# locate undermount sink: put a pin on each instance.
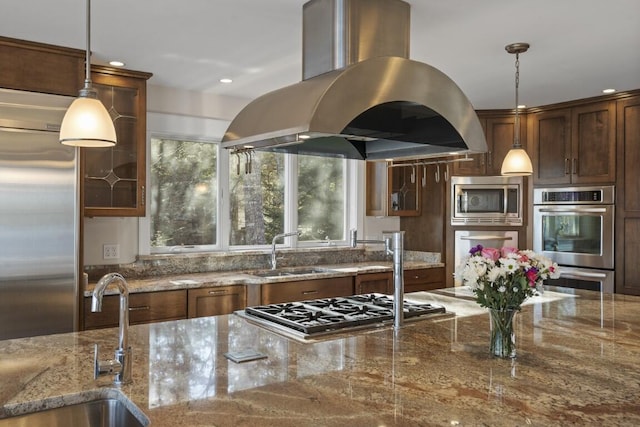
(289, 272)
(96, 413)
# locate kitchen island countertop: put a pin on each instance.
(577, 364)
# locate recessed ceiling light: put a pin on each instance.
(117, 63)
(608, 90)
(226, 80)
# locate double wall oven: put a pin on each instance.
(574, 226)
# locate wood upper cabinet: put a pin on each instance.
(216, 301)
(499, 131)
(392, 191)
(113, 181)
(39, 67)
(575, 145)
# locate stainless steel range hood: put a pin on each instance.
(361, 96)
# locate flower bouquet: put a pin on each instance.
(502, 279)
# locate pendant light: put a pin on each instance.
(87, 122)
(517, 162)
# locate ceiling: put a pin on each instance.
(578, 47)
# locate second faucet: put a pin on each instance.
(273, 245)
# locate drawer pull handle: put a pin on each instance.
(309, 292)
(217, 292)
(140, 308)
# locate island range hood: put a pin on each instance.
(360, 97)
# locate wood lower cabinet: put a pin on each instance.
(274, 293)
(216, 301)
(424, 279)
(144, 307)
(381, 283)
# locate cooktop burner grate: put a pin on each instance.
(326, 314)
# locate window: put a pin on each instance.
(256, 197)
(184, 189)
(265, 194)
(321, 198)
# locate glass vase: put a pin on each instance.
(503, 338)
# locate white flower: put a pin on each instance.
(502, 289)
(495, 273)
(509, 264)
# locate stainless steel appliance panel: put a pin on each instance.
(488, 200)
(38, 225)
(573, 233)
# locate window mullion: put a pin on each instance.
(291, 195)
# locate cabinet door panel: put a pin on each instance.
(593, 143)
(552, 147)
(114, 178)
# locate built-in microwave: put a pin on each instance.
(486, 200)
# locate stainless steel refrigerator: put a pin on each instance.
(39, 217)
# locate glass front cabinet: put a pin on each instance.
(113, 179)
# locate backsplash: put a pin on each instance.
(165, 264)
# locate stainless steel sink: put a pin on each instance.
(290, 272)
(96, 413)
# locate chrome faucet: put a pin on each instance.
(393, 246)
(120, 366)
(273, 245)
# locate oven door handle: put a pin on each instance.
(582, 275)
(486, 238)
(574, 210)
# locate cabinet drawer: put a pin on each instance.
(423, 279)
(143, 308)
(273, 293)
(381, 283)
(215, 301)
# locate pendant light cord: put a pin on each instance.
(516, 138)
(88, 91)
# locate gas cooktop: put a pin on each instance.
(326, 315)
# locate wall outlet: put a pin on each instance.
(110, 251)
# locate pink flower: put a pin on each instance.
(532, 275)
(491, 253)
(507, 250)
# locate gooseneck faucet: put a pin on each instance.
(393, 246)
(273, 245)
(121, 364)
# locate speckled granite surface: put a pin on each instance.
(220, 262)
(577, 364)
(245, 277)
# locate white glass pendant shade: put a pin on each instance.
(87, 124)
(516, 162)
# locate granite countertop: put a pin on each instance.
(577, 364)
(245, 277)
